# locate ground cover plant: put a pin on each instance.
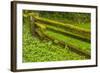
(39, 47)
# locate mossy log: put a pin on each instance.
(68, 27)
(62, 31)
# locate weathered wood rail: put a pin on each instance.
(82, 33)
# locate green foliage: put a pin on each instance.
(66, 17)
(37, 50)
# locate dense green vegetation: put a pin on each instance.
(40, 50)
(78, 19)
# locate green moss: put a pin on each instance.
(85, 46)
